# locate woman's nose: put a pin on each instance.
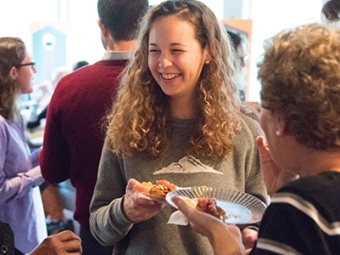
(164, 61)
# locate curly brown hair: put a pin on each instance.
(12, 53)
(300, 77)
(139, 117)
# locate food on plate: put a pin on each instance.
(160, 189)
(207, 205)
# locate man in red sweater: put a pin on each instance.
(74, 135)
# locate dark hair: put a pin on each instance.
(12, 53)
(80, 64)
(235, 39)
(121, 17)
(6, 238)
(331, 10)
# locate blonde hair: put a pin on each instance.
(300, 77)
(139, 117)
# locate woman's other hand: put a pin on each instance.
(225, 239)
(274, 176)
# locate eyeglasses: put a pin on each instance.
(32, 64)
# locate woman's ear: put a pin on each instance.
(280, 123)
(13, 73)
(207, 55)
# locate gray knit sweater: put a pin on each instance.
(240, 171)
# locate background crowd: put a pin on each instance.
(165, 102)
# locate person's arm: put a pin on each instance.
(225, 239)
(107, 221)
(65, 242)
(54, 157)
(274, 176)
(14, 185)
(115, 207)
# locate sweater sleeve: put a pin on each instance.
(14, 185)
(54, 157)
(107, 221)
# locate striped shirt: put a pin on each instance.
(303, 218)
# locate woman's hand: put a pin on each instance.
(225, 239)
(137, 208)
(274, 176)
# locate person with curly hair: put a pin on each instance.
(300, 77)
(176, 117)
(20, 175)
(73, 137)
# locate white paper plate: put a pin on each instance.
(241, 208)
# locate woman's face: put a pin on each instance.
(24, 76)
(176, 58)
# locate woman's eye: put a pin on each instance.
(153, 50)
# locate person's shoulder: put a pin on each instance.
(249, 122)
(327, 180)
(3, 122)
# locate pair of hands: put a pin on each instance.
(223, 237)
(138, 209)
(63, 243)
(228, 239)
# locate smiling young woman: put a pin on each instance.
(175, 117)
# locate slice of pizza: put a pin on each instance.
(159, 189)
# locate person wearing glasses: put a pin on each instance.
(20, 175)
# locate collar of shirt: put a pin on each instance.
(117, 55)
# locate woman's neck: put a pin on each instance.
(318, 161)
(183, 108)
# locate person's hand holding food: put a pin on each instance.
(138, 208)
(225, 239)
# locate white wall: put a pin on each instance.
(269, 17)
(16, 17)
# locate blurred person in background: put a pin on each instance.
(240, 47)
(330, 11)
(62, 243)
(74, 138)
(20, 174)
